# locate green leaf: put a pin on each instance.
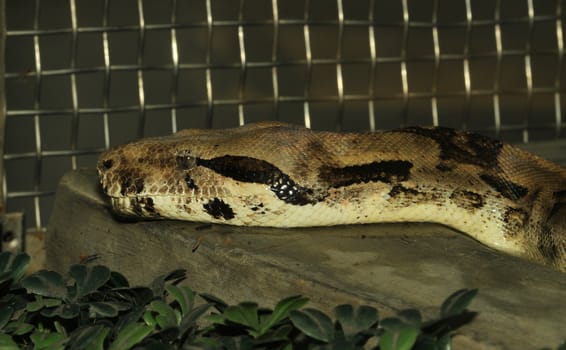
(402, 339)
(41, 302)
(411, 317)
(88, 338)
(158, 285)
(166, 316)
(356, 320)
(149, 319)
(155, 344)
(6, 313)
(191, 318)
(392, 324)
(107, 308)
(89, 278)
(313, 323)
(244, 314)
(282, 310)
(457, 302)
(117, 280)
(60, 329)
(135, 295)
(44, 340)
(130, 335)
(216, 319)
(444, 342)
(66, 311)
(183, 295)
(218, 303)
(46, 283)
(15, 266)
(280, 334)
(7, 343)
(19, 328)
(242, 342)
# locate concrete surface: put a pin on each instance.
(391, 267)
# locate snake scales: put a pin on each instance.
(281, 175)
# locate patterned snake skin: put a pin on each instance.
(281, 175)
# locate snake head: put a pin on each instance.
(133, 175)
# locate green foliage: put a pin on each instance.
(93, 308)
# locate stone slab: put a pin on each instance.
(392, 267)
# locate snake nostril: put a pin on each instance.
(107, 164)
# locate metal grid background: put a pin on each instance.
(82, 76)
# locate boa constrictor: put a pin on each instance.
(280, 175)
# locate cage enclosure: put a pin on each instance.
(83, 76)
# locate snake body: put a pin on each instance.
(281, 175)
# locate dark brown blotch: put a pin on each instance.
(247, 169)
(129, 186)
(462, 147)
(143, 205)
(398, 190)
(218, 209)
(506, 188)
(559, 198)
(389, 171)
(289, 192)
(467, 199)
(515, 221)
(148, 205)
(190, 183)
(136, 206)
(444, 167)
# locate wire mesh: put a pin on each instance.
(82, 76)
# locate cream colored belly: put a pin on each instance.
(368, 206)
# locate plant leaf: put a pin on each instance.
(66, 311)
(392, 324)
(166, 317)
(218, 303)
(457, 302)
(411, 317)
(278, 335)
(130, 335)
(356, 320)
(43, 340)
(402, 339)
(89, 278)
(313, 323)
(244, 314)
(282, 310)
(191, 318)
(88, 338)
(183, 295)
(107, 308)
(41, 302)
(7, 343)
(158, 285)
(117, 280)
(19, 328)
(13, 266)
(6, 313)
(46, 283)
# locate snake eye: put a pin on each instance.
(185, 162)
(107, 164)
